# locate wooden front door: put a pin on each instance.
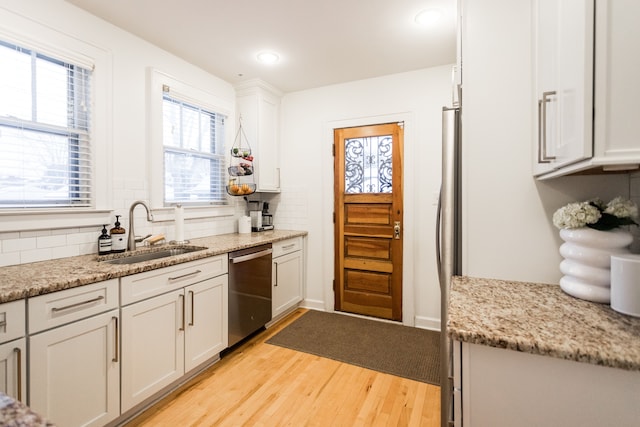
(368, 220)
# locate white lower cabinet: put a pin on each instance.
(168, 335)
(13, 354)
(13, 369)
(74, 364)
(206, 333)
(511, 388)
(152, 346)
(74, 372)
(287, 273)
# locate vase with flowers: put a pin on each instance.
(591, 232)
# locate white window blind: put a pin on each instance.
(45, 147)
(194, 161)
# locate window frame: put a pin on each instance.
(155, 147)
(31, 35)
(73, 137)
(214, 157)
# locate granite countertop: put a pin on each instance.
(28, 280)
(16, 413)
(542, 319)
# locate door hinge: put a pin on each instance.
(334, 217)
(333, 150)
(334, 285)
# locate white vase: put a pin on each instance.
(587, 261)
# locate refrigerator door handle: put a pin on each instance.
(438, 237)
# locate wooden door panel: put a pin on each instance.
(358, 280)
(367, 213)
(365, 247)
(383, 232)
(368, 264)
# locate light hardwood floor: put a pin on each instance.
(259, 384)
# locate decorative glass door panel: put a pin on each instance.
(368, 164)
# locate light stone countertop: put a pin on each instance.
(38, 278)
(16, 413)
(542, 319)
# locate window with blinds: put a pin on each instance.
(45, 146)
(194, 161)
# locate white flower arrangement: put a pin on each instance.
(595, 214)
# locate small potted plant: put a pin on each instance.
(591, 232)
(595, 214)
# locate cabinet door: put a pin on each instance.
(206, 332)
(74, 372)
(12, 320)
(152, 346)
(287, 282)
(268, 169)
(506, 388)
(564, 83)
(13, 369)
(617, 67)
(259, 106)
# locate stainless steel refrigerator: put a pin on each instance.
(449, 251)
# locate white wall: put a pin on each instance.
(508, 233)
(308, 119)
(128, 136)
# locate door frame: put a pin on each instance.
(409, 218)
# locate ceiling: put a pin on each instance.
(320, 42)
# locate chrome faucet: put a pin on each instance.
(131, 242)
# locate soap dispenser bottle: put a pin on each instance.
(118, 238)
(104, 242)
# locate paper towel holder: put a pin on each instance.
(179, 224)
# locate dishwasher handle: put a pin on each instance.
(251, 256)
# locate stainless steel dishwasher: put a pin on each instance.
(249, 291)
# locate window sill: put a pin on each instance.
(32, 220)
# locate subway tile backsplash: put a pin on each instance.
(289, 209)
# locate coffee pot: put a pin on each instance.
(267, 218)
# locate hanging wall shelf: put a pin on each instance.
(241, 182)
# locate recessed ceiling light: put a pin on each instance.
(428, 17)
(268, 57)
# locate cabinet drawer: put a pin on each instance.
(287, 246)
(12, 320)
(151, 283)
(58, 308)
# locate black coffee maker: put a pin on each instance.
(267, 218)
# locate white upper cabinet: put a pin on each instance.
(258, 105)
(586, 59)
(617, 67)
(563, 35)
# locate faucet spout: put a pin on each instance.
(131, 242)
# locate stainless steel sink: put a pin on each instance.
(148, 256)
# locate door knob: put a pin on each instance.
(396, 230)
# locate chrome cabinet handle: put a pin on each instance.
(275, 274)
(116, 335)
(78, 304)
(288, 246)
(193, 320)
(184, 275)
(542, 127)
(18, 352)
(181, 328)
